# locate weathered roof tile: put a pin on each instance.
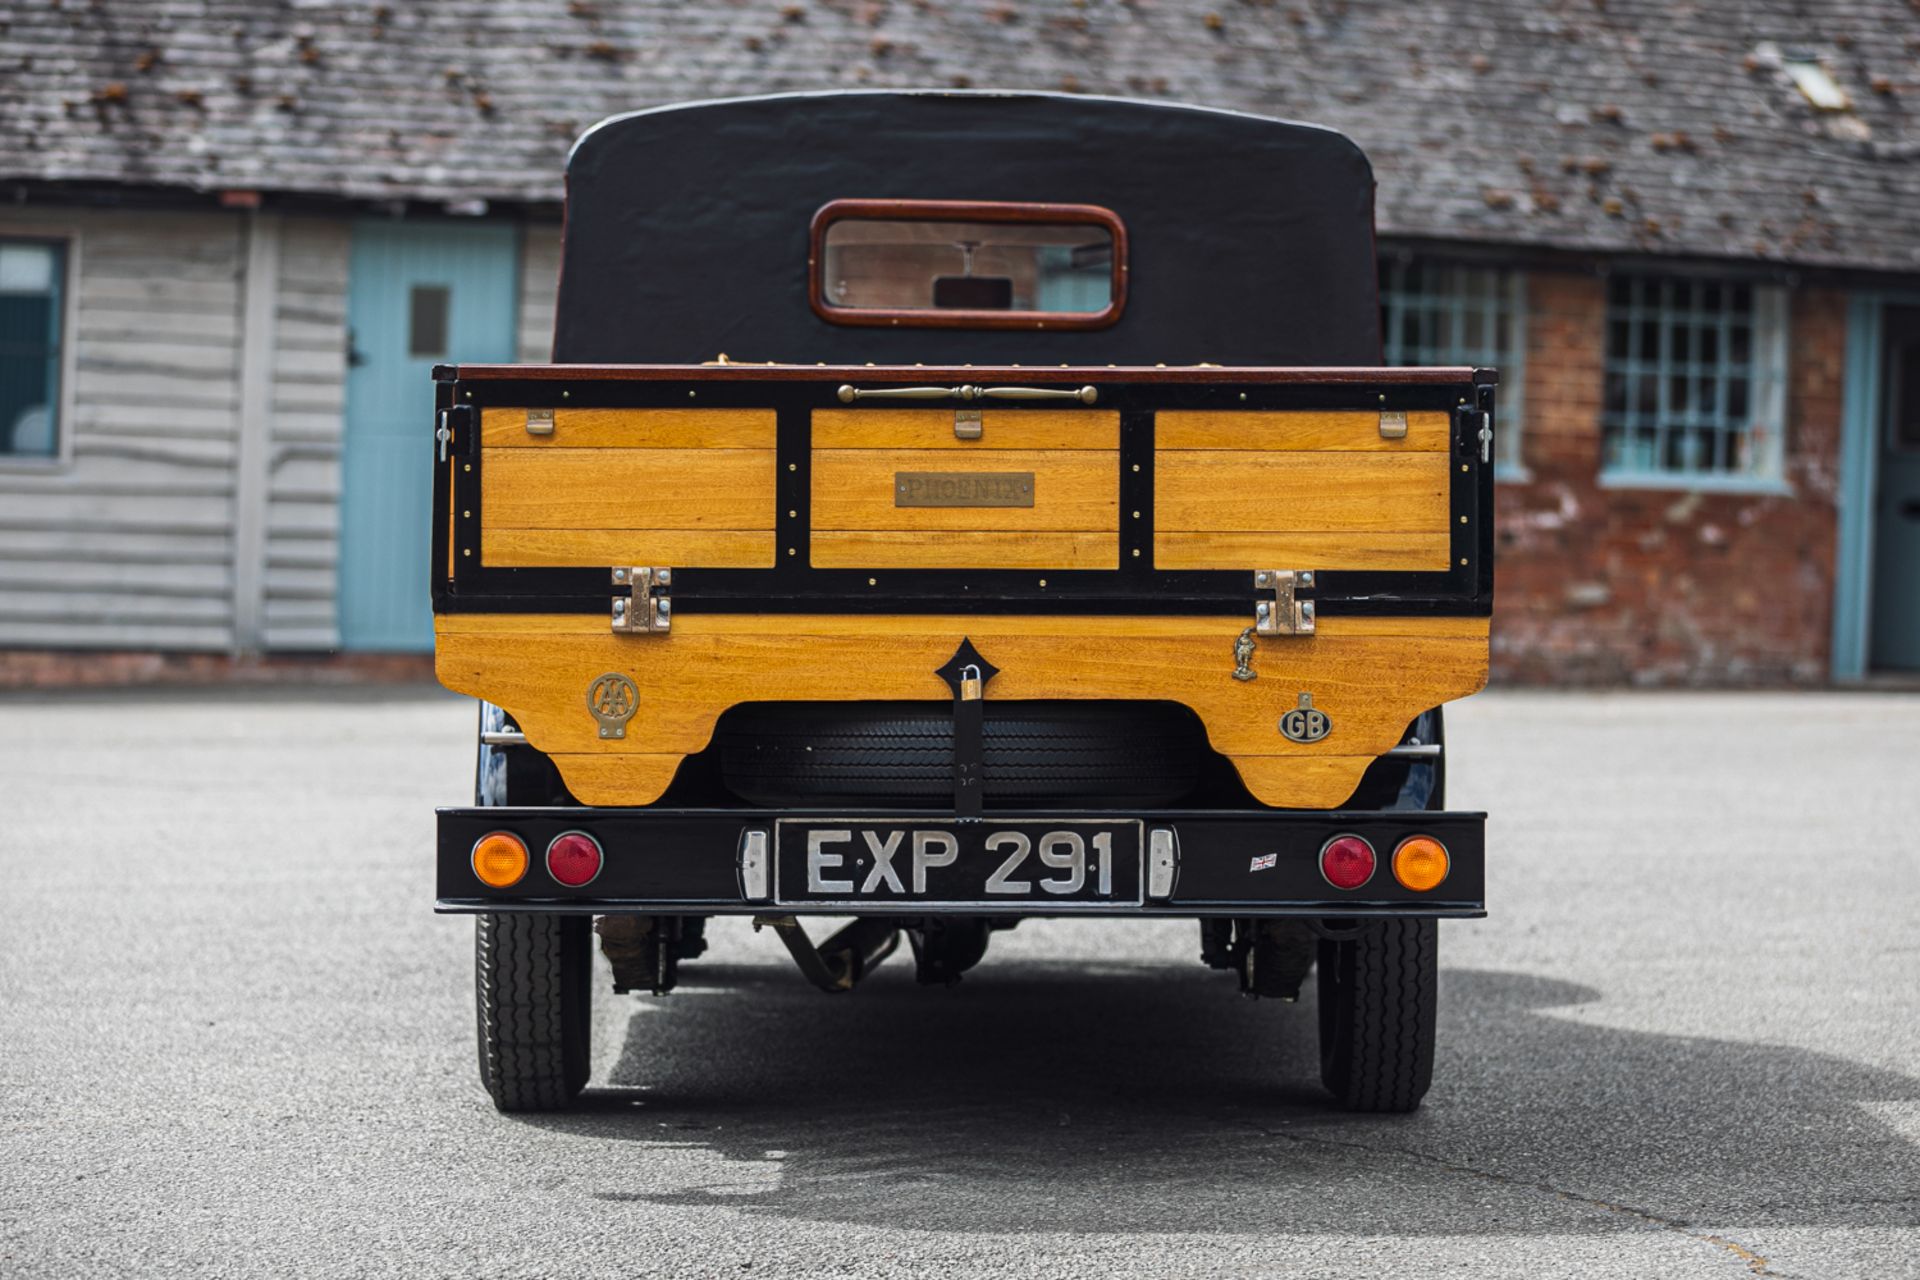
(1637, 125)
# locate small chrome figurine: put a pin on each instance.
(1243, 657)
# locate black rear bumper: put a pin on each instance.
(722, 862)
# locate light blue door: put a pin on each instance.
(419, 294)
(1896, 542)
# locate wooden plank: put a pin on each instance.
(158, 293)
(1369, 681)
(149, 515)
(158, 419)
(969, 549)
(313, 583)
(66, 543)
(103, 606)
(1243, 491)
(96, 631)
(207, 579)
(1346, 550)
(106, 323)
(1288, 782)
(539, 287)
(611, 780)
(1074, 490)
(633, 429)
(252, 467)
(604, 548)
(1296, 429)
(214, 453)
(612, 488)
(135, 393)
(160, 354)
(933, 429)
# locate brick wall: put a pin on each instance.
(1663, 586)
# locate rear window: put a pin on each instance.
(966, 265)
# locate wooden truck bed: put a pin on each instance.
(835, 534)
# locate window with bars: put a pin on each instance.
(1695, 381)
(31, 275)
(1444, 313)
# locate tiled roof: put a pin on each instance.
(1658, 126)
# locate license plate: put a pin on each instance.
(870, 861)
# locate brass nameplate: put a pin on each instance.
(963, 488)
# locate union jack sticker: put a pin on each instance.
(1264, 862)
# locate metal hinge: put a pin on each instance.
(1287, 613)
(647, 608)
(1393, 425)
(539, 422)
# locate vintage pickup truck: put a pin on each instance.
(1068, 555)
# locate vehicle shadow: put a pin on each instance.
(1041, 1097)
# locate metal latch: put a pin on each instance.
(967, 424)
(453, 431)
(647, 608)
(1486, 436)
(1393, 426)
(1287, 613)
(539, 422)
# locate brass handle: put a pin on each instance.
(1082, 395)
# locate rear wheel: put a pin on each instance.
(534, 998)
(1379, 992)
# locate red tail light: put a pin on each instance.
(1347, 862)
(573, 858)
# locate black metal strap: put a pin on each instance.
(967, 673)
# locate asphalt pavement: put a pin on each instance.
(234, 1040)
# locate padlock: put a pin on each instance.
(970, 683)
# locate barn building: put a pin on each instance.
(233, 240)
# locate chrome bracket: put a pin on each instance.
(756, 865)
(539, 422)
(968, 424)
(1163, 861)
(647, 607)
(1287, 613)
(1393, 426)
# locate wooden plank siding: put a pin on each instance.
(309, 391)
(129, 544)
(539, 290)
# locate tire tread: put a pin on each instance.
(531, 993)
(1377, 1036)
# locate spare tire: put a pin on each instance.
(901, 753)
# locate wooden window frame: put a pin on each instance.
(65, 400)
(964, 211)
(1766, 373)
(1505, 297)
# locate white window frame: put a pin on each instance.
(1510, 294)
(68, 237)
(1767, 398)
